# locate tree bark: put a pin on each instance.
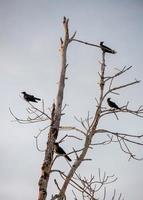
(55, 119)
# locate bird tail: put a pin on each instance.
(113, 51)
(37, 99)
(68, 158)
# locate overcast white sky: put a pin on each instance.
(30, 61)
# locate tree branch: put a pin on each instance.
(56, 117)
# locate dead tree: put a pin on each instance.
(87, 187)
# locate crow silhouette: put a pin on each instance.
(112, 104)
(106, 49)
(60, 151)
(29, 97)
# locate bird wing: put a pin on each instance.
(107, 48)
(61, 151)
(114, 105)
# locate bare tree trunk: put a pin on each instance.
(55, 119)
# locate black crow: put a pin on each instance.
(112, 104)
(60, 151)
(29, 97)
(106, 49)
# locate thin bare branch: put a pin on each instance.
(123, 70)
(121, 87)
(56, 183)
(87, 43)
(70, 128)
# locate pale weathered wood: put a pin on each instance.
(55, 119)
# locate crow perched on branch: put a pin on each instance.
(29, 97)
(112, 104)
(106, 49)
(60, 151)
